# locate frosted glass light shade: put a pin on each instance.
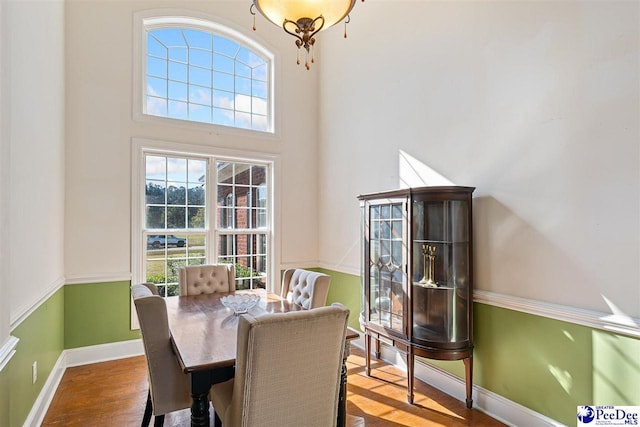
(277, 11)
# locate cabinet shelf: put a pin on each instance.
(417, 275)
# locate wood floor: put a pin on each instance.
(114, 394)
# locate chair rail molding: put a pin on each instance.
(7, 351)
(26, 310)
(610, 322)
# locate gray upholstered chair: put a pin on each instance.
(169, 387)
(287, 370)
(207, 279)
(306, 288)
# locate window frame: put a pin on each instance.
(141, 147)
(173, 18)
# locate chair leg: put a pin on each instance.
(146, 419)
(159, 421)
(217, 422)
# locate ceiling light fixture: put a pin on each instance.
(303, 19)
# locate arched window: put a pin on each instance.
(201, 71)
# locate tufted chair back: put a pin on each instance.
(306, 288)
(207, 279)
(273, 389)
(169, 387)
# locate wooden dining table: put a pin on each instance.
(204, 336)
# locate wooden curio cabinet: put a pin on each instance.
(417, 275)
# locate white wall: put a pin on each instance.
(534, 103)
(36, 102)
(100, 128)
(4, 175)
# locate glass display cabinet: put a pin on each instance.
(417, 275)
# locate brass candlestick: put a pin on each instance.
(429, 255)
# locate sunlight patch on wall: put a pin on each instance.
(563, 377)
(616, 369)
(414, 173)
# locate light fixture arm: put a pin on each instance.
(304, 30)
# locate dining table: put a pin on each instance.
(204, 337)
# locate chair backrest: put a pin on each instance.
(288, 368)
(207, 279)
(306, 288)
(169, 387)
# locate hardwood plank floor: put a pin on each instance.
(114, 394)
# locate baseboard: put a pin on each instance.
(76, 357)
(494, 405)
(41, 405)
(103, 352)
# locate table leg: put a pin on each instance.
(200, 385)
(342, 397)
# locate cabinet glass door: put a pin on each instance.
(387, 264)
(440, 272)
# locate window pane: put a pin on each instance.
(176, 169)
(243, 86)
(176, 217)
(178, 72)
(156, 106)
(178, 110)
(199, 57)
(155, 217)
(223, 99)
(225, 46)
(155, 192)
(198, 39)
(196, 194)
(243, 120)
(155, 48)
(177, 91)
(223, 81)
(223, 117)
(199, 76)
(243, 103)
(259, 122)
(178, 54)
(199, 95)
(223, 63)
(184, 64)
(197, 170)
(196, 217)
(156, 67)
(199, 113)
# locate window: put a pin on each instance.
(200, 71)
(198, 210)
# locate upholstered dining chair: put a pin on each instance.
(207, 279)
(287, 370)
(307, 289)
(169, 387)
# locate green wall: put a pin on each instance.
(97, 313)
(41, 339)
(547, 365)
(345, 289)
(4, 396)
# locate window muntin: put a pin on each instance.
(198, 75)
(177, 214)
(242, 231)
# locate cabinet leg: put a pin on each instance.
(410, 361)
(367, 353)
(468, 367)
